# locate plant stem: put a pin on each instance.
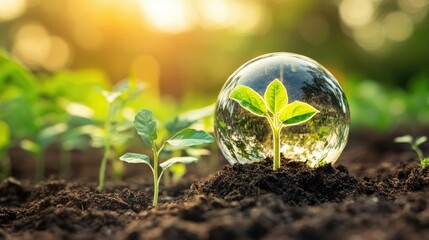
(107, 146)
(155, 175)
(276, 140)
(276, 128)
(418, 151)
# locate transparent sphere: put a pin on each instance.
(245, 138)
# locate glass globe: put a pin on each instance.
(244, 137)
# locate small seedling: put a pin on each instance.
(275, 108)
(4, 144)
(146, 127)
(116, 101)
(415, 143)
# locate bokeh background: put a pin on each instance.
(376, 48)
(54, 54)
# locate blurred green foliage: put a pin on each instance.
(66, 110)
(379, 107)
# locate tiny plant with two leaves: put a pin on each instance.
(275, 107)
(415, 143)
(146, 127)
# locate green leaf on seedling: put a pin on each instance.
(421, 140)
(190, 137)
(111, 96)
(404, 139)
(146, 126)
(48, 134)
(249, 99)
(30, 146)
(178, 124)
(297, 113)
(5, 135)
(135, 158)
(276, 96)
(185, 160)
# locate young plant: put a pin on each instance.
(4, 144)
(415, 143)
(116, 100)
(146, 127)
(275, 108)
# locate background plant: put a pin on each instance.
(113, 132)
(146, 127)
(415, 143)
(275, 108)
(4, 144)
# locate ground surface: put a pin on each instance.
(379, 193)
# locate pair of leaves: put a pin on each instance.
(409, 139)
(276, 101)
(141, 158)
(146, 127)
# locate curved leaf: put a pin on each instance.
(297, 113)
(421, 140)
(404, 139)
(146, 126)
(185, 160)
(135, 158)
(276, 96)
(249, 99)
(190, 137)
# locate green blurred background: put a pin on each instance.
(186, 49)
(54, 54)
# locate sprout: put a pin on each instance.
(275, 107)
(415, 143)
(146, 127)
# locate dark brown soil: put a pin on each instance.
(389, 199)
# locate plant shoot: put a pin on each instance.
(415, 143)
(146, 127)
(275, 107)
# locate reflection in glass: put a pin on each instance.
(246, 138)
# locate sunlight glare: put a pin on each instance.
(171, 16)
(356, 12)
(398, 26)
(32, 44)
(10, 9)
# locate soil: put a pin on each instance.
(378, 193)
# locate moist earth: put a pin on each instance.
(379, 192)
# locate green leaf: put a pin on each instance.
(178, 124)
(4, 135)
(297, 113)
(185, 160)
(49, 134)
(404, 139)
(276, 96)
(30, 146)
(135, 158)
(146, 126)
(110, 96)
(190, 137)
(249, 99)
(421, 140)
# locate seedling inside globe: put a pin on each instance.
(275, 107)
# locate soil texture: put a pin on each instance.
(378, 193)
